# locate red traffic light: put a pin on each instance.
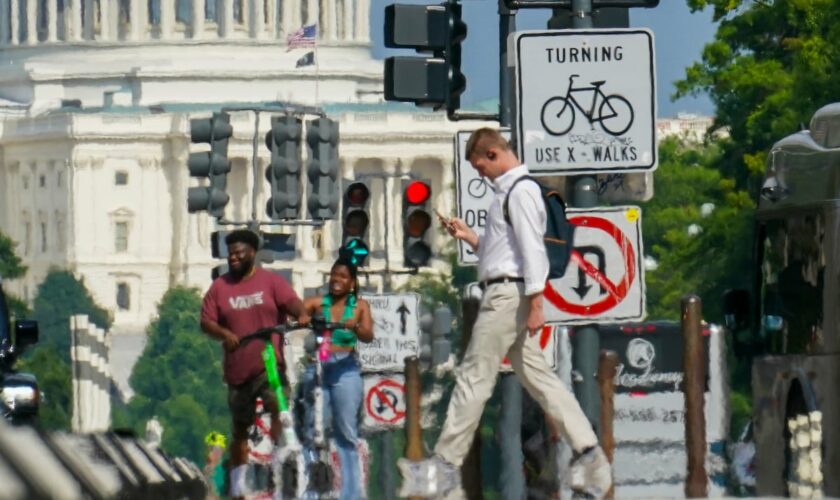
(417, 192)
(357, 194)
(356, 223)
(417, 223)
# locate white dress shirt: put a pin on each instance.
(516, 249)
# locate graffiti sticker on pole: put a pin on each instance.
(384, 402)
(604, 282)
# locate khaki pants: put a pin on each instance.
(500, 330)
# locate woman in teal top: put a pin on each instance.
(342, 378)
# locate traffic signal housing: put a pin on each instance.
(213, 165)
(435, 80)
(322, 139)
(356, 220)
(283, 171)
(416, 222)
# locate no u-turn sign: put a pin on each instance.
(604, 282)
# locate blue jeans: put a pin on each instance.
(343, 392)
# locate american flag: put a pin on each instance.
(304, 37)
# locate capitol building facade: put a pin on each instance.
(95, 102)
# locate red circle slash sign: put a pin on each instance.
(383, 391)
(616, 292)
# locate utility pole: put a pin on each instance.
(509, 427)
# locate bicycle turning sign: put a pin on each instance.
(586, 101)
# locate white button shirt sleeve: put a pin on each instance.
(528, 219)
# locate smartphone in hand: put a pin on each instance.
(447, 223)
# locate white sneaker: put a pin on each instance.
(433, 477)
(590, 473)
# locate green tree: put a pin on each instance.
(12, 267)
(696, 252)
(770, 66)
(60, 296)
(178, 378)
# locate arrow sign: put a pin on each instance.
(582, 288)
(403, 311)
(396, 332)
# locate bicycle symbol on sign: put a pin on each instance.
(615, 114)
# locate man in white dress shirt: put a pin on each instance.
(512, 269)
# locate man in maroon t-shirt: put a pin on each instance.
(240, 302)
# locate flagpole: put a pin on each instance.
(317, 71)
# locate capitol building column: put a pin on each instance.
(167, 18)
(196, 19)
(287, 23)
(52, 21)
(226, 22)
(31, 25)
(347, 18)
(256, 21)
(363, 20)
(139, 23)
(104, 19)
(73, 20)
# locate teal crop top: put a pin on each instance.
(341, 337)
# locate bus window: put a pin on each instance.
(792, 271)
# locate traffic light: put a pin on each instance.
(322, 168)
(435, 80)
(441, 333)
(356, 220)
(283, 172)
(213, 165)
(416, 223)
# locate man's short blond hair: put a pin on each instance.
(483, 139)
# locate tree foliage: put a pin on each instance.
(698, 228)
(178, 378)
(770, 66)
(60, 296)
(11, 266)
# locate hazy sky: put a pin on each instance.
(679, 36)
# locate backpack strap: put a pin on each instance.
(505, 210)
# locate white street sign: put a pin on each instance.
(384, 402)
(586, 100)
(473, 195)
(605, 280)
(396, 332)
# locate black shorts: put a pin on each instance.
(242, 401)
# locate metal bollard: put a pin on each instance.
(694, 367)
(413, 432)
(607, 366)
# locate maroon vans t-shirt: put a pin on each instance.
(243, 307)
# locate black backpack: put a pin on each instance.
(559, 232)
